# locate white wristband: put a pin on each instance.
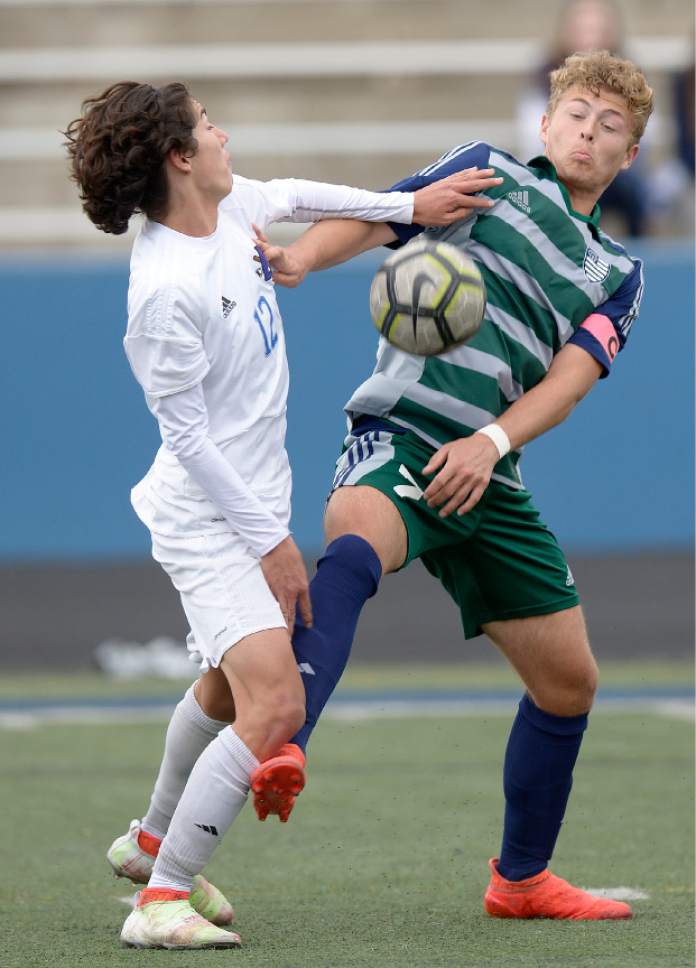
(496, 433)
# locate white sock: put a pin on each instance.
(188, 734)
(215, 793)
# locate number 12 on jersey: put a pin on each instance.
(263, 314)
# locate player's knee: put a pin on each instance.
(581, 699)
(573, 694)
(369, 514)
(284, 714)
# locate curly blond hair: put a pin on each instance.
(600, 70)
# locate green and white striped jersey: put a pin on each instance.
(547, 269)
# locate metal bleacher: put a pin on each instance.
(358, 91)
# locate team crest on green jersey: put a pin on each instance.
(596, 269)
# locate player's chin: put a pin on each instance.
(581, 175)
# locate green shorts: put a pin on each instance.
(499, 561)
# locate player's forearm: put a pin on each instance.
(550, 402)
(334, 241)
(232, 495)
(183, 422)
(314, 201)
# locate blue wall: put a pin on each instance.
(617, 476)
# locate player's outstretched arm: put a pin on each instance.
(463, 467)
(333, 241)
(324, 245)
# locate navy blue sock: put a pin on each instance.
(538, 774)
(347, 575)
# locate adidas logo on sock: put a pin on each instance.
(227, 307)
(208, 829)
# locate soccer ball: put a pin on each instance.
(427, 297)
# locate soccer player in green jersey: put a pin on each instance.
(429, 468)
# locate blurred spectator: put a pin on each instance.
(585, 25)
(672, 182)
(683, 89)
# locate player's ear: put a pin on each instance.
(179, 161)
(544, 128)
(630, 156)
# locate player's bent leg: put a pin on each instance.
(279, 779)
(368, 513)
(365, 536)
(267, 689)
(552, 655)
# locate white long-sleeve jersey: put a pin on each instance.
(205, 341)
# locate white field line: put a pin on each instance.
(326, 59)
(341, 711)
(618, 893)
(611, 893)
(676, 709)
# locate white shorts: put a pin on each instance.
(223, 591)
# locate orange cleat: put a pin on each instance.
(278, 781)
(547, 896)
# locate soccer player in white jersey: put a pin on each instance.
(562, 297)
(205, 341)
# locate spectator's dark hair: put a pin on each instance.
(118, 147)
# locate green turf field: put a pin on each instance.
(383, 862)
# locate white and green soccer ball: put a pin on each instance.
(427, 297)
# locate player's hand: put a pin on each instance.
(453, 198)
(287, 268)
(465, 467)
(284, 570)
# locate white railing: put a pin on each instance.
(381, 58)
(295, 139)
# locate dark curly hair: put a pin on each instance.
(118, 147)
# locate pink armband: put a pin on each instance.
(602, 328)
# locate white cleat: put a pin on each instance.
(128, 859)
(173, 925)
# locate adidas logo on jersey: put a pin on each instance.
(520, 200)
(596, 269)
(227, 307)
